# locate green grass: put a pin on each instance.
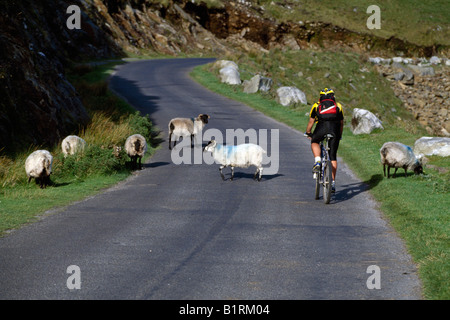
(83, 174)
(416, 206)
(419, 22)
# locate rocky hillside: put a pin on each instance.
(39, 106)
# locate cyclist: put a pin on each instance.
(329, 118)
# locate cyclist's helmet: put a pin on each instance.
(327, 93)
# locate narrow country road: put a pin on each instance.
(177, 231)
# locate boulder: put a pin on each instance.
(219, 64)
(290, 95)
(432, 146)
(364, 121)
(422, 71)
(257, 83)
(230, 75)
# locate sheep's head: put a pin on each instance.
(210, 146)
(204, 118)
(418, 169)
(420, 161)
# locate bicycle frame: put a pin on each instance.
(324, 176)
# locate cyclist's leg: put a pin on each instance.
(334, 145)
(334, 166)
(316, 138)
(315, 148)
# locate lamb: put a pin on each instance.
(242, 156)
(72, 144)
(397, 155)
(136, 146)
(38, 165)
(185, 127)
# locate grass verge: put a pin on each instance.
(416, 206)
(99, 166)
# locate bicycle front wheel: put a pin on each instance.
(327, 179)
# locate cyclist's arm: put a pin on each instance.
(310, 125)
(312, 118)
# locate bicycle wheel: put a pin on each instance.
(327, 179)
(317, 191)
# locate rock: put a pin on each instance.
(378, 60)
(432, 146)
(257, 83)
(435, 60)
(290, 95)
(219, 64)
(364, 122)
(230, 75)
(422, 71)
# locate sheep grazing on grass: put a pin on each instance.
(185, 127)
(397, 155)
(242, 156)
(136, 146)
(72, 144)
(39, 166)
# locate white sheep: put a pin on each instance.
(185, 127)
(397, 155)
(39, 166)
(136, 146)
(72, 144)
(242, 156)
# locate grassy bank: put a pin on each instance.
(416, 206)
(99, 166)
(420, 22)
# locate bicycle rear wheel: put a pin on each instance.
(317, 191)
(327, 179)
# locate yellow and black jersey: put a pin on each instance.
(327, 110)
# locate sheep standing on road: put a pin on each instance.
(397, 155)
(136, 146)
(185, 127)
(242, 156)
(72, 144)
(39, 166)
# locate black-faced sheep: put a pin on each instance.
(136, 146)
(72, 144)
(39, 166)
(397, 155)
(242, 156)
(185, 127)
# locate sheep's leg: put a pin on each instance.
(254, 176)
(221, 172)
(384, 169)
(395, 171)
(260, 173)
(232, 173)
(389, 169)
(405, 172)
(140, 163)
(29, 179)
(170, 141)
(192, 141)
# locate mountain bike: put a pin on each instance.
(324, 176)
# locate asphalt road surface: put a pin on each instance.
(177, 231)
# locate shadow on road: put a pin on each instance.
(348, 191)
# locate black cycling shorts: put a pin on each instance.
(325, 127)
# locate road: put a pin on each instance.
(177, 231)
